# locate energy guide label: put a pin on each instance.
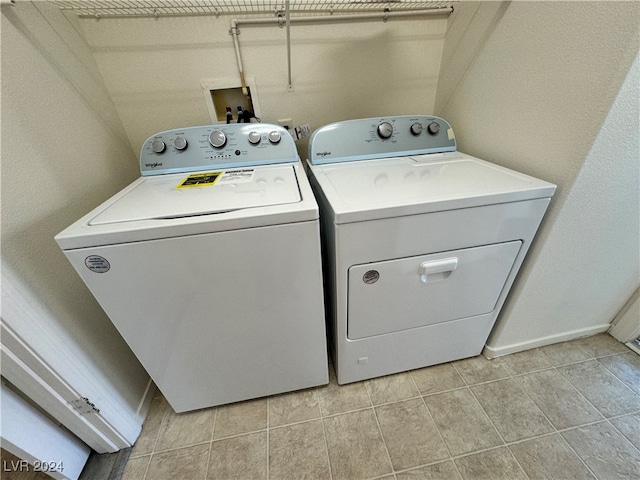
(205, 179)
(208, 179)
(237, 176)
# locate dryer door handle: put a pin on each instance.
(437, 266)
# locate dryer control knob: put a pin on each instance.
(217, 139)
(254, 138)
(158, 146)
(274, 137)
(416, 128)
(180, 143)
(433, 128)
(385, 130)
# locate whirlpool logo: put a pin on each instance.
(323, 154)
(153, 165)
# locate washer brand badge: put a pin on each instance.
(323, 154)
(370, 277)
(97, 264)
(153, 165)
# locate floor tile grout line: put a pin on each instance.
(439, 435)
(535, 403)
(324, 436)
(213, 429)
(453, 364)
(375, 415)
(578, 456)
(167, 412)
(268, 459)
(181, 447)
(167, 409)
(623, 435)
(585, 397)
(235, 435)
(518, 463)
(146, 469)
(487, 415)
(614, 374)
(430, 416)
(579, 393)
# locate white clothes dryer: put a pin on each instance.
(421, 242)
(209, 265)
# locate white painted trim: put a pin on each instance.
(490, 352)
(26, 333)
(32, 437)
(626, 326)
(52, 393)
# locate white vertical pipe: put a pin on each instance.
(234, 33)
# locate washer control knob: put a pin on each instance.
(158, 146)
(217, 139)
(433, 128)
(385, 130)
(254, 138)
(416, 128)
(274, 137)
(180, 143)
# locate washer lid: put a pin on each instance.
(373, 189)
(203, 193)
(153, 208)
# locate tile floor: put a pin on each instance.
(566, 411)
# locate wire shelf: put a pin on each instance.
(136, 8)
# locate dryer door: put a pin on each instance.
(412, 292)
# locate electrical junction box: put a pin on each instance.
(227, 92)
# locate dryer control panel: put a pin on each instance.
(207, 147)
(370, 138)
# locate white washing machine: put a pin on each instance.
(421, 242)
(209, 265)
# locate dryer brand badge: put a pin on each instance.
(370, 277)
(323, 154)
(97, 264)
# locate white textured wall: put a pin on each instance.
(63, 152)
(590, 263)
(528, 85)
(153, 68)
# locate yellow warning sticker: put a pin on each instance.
(450, 134)
(206, 179)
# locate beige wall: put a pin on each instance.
(153, 68)
(63, 152)
(528, 85)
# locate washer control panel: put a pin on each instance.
(216, 146)
(370, 138)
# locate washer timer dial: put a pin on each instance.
(385, 130)
(217, 139)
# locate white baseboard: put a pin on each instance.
(493, 352)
